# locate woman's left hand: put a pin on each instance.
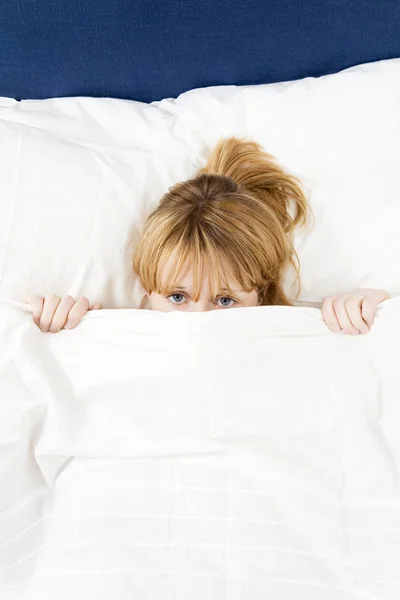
(354, 312)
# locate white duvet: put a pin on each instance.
(241, 455)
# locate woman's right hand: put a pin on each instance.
(52, 313)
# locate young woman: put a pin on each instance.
(222, 240)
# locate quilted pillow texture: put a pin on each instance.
(78, 177)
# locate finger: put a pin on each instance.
(354, 311)
(96, 307)
(61, 314)
(36, 303)
(343, 317)
(329, 314)
(76, 313)
(49, 307)
(381, 296)
(367, 311)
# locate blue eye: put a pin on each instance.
(225, 302)
(176, 298)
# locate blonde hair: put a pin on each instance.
(232, 219)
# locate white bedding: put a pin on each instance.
(242, 455)
(78, 177)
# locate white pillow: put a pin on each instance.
(78, 177)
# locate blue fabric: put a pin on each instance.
(151, 49)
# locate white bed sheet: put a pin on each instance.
(249, 454)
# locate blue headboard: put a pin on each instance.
(151, 49)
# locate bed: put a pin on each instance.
(227, 455)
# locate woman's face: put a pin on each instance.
(181, 297)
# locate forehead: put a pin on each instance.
(185, 282)
(185, 278)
